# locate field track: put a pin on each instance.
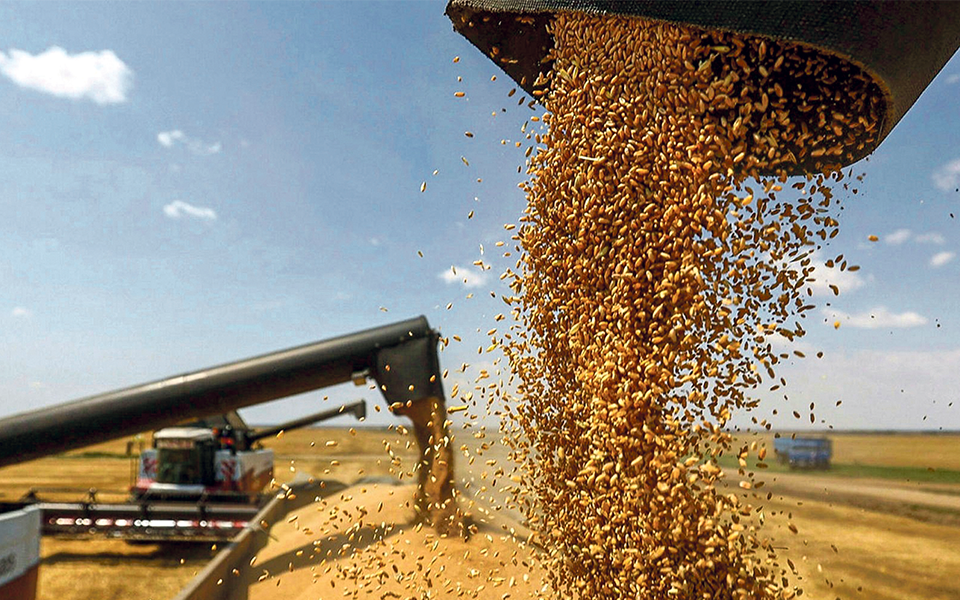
(924, 502)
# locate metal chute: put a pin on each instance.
(900, 45)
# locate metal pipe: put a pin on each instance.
(358, 409)
(402, 357)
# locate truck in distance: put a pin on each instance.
(804, 452)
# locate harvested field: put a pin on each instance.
(111, 570)
(938, 505)
(108, 474)
(878, 556)
(362, 542)
(886, 553)
(921, 450)
(106, 569)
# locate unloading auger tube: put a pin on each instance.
(401, 358)
(901, 45)
(358, 409)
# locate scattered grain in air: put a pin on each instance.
(459, 94)
(872, 238)
(456, 59)
(423, 187)
(613, 406)
(469, 134)
(640, 329)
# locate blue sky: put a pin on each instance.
(186, 184)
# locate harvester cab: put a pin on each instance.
(184, 456)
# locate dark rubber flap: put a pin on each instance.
(902, 45)
(410, 372)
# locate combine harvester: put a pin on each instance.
(216, 459)
(201, 482)
(200, 501)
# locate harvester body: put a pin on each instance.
(200, 482)
(188, 463)
(216, 459)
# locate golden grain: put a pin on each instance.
(657, 263)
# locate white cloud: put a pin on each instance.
(947, 177)
(931, 237)
(168, 139)
(901, 236)
(880, 389)
(953, 78)
(878, 318)
(97, 76)
(179, 208)
(470, 278)
(824, 276)
(204, 149)
(898, 237)
(21, 312)
(941, 258)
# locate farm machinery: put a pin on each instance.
(207, 469)
(200, 481)
(216, 459)
(803, 452)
